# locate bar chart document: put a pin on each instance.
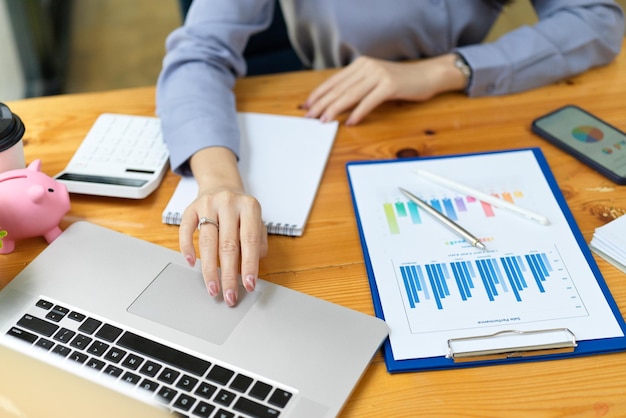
(432, 287)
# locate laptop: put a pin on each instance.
(117, 309)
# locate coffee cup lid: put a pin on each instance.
(11, 128)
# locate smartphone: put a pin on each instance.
(588, 138)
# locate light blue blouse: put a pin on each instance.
(204, 57)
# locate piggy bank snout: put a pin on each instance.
(36, 193)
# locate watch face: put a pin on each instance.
(462, 65)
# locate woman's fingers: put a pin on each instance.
(231, 239)
(367, 82)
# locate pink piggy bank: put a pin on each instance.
(31, 205)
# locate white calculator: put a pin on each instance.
(121, 156)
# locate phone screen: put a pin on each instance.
(596, 143)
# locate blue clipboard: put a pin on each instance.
(570, 346)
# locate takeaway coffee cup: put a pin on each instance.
(11, 146)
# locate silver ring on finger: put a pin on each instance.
(204, 220)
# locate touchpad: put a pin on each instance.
(178, 298)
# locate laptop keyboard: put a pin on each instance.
(188, 385)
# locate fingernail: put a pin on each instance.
(213, 288)
(308, 115)
(324, 119)
(190, 259)
(229, 297)
(350, 122)
(303, 106)
(250, 283)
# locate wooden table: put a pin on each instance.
(327, 261)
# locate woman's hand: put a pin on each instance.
(368, 82)
(234, 238)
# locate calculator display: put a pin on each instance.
(117, 181)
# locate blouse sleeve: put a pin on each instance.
(570, 37)
(203, 59)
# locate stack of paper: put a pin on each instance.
(609, 242)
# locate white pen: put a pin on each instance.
(487, 198)
(453, 226)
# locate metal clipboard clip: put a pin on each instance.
(511, 344)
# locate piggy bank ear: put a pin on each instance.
(35, 165)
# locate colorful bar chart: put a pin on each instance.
(454, 208)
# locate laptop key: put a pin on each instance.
(44, 343)
(54, 316)
(75, 316)
(44, 304)
(95, 364)
(220, 374)
(166, 394)
(57, 313)
(150, 368)
(225, 397)
(149, 385)
(109, 333)
(132, 361)
(81, 341)
(280, 398)
(203, 410)
(78, 357)
(37, 325)
(206, 390)
(164, 353)
(184, 402)
(64, 335)
(224, 414)
(168, 375)
(260, 390)
(187, 383)
(131, 378)
(61, 350)
(22, 335)
(115, 354)
(241, 383)
(255, 409)
(89, 326)
(113, 371)
(97, 348)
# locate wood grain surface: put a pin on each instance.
(327, 261)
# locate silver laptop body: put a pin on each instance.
(309, 351)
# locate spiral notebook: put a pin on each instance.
(282, 160)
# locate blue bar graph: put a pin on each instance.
(463, 272)
(495, 277)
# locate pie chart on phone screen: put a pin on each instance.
(587, 134)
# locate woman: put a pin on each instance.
(406, 50)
